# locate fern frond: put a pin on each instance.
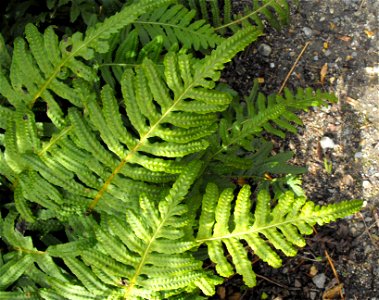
(257, 13)
(241, 127)
(145, 254)
(266, 229)
(175, 24)
(5, 58)
(275, 113)
(13, 269)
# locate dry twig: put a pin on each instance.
(330, 261)
(293, 67)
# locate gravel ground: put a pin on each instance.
(339, 144)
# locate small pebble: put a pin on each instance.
(297, 283)
(312, 295)
(354, 232)
(307, 31)
(272, 65)
(347, 180)
(327, 142)
(319, 280)
(368, 249)
(358, 155)
(264, 49)
(366, 184)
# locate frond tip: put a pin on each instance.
(269, 227)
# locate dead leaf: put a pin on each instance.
(261, 80)
(369, 33)
(333, 293)
(345, 38)
(325, 45)
(351, 101)
(323, 72)
(313, 271)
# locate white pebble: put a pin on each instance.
(366, 184)
(327, 142)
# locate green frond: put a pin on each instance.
(5, 58)
(176, 24)
(85, 275)
(210, 66)
(265, 229)
(69, 291)
(152, 112)
(6, 115)
(70, 249)
(22, 207)
(13, 236)
(13, 269)
(256, 12)
(207, 217)
(11, 157)
(20, 295)
(241, 128)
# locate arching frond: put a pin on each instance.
(239, 143)
(270, 227)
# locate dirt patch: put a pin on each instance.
(342, 39)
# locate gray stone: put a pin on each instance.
(312, 295)
(319, 280)
(358, 155)
(264, 49)
(307, 31)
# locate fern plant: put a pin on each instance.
(110, 139)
